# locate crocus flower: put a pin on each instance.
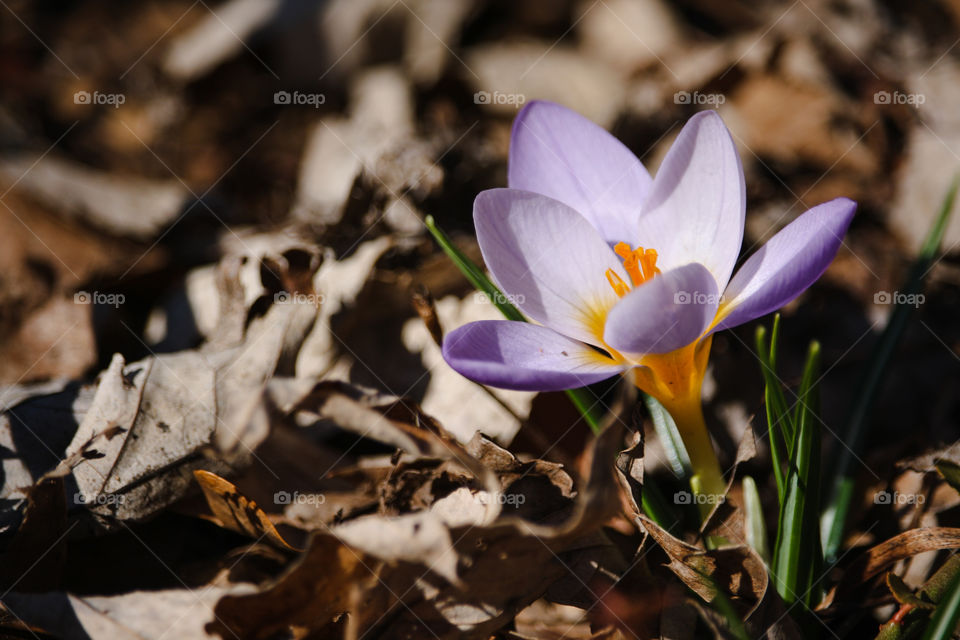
(627, 274)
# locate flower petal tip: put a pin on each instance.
(523, 357)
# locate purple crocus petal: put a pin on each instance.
(665, 313)
(522, 356)
(548, 259)
(559, 153)
(787, 264)
(696, 208)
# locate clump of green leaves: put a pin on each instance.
(794, 434)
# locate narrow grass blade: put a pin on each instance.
(787, 424)
(589, 407)
(797, 551)
(755, 526)
(834, 517)
(774, 403)
(655, 505)
(473, 272)
(722, 604)
(808, 419)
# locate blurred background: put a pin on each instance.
(142, 142)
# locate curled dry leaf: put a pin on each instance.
(119, 205)
(415, 574)
(731, 569)
(174, 613)
(738, 571)
(150, 422)
(880, 557)
(133, 453)
(37, 424)
(945, 462)
(927, 463)
(234, 511)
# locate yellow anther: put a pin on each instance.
(619, 286)
(649, 263)
(640, 265)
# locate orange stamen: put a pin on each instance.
(619, 286)
(649, 263)
(640, 265)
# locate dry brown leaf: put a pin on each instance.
(232, 510)
(414, 575)
(881, 556)
(120, 205)
(150, 421)
(927, 463)
(738, 571)
(136, 615)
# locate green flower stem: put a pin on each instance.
(707, 479)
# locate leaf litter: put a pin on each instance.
(247, 431)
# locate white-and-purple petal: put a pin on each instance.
(665, 313)
(548, 259)
(557, 152)
(787, 264)
(525, 357)
(695, 211)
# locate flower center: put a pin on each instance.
(640, 264)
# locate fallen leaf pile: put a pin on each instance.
(224, 412)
